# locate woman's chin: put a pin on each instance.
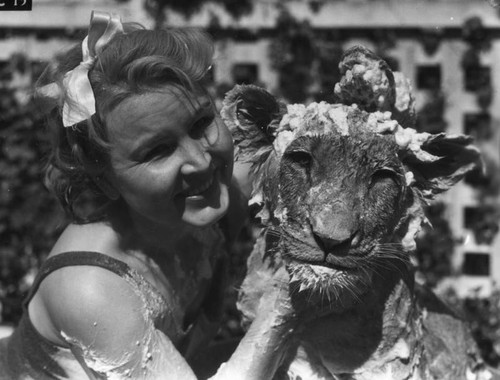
(207, 210)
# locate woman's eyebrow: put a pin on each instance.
(200, 105)
(144, 142)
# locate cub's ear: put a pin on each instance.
(252, 114)
(439, 161)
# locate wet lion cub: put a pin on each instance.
(341, 190)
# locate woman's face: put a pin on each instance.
(171, 157)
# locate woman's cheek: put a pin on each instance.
(149, 186)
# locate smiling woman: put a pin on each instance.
(171, 158)
(133, 288)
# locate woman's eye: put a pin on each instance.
(199, 127)
(159, 151)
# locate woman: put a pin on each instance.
(134, 290)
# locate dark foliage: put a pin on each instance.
(329, 56)
(292, 53)
(483, 315)
(435, 247)
(158, 8)
(434, 251)
(306, 60)
(431, 39)
(430, 117)
(29, 216)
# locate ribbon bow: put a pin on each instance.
(81, 101)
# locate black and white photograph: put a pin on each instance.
(250, 189)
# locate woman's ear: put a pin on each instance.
(106, 187)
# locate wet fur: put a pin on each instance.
(365, 319)
(341, 203)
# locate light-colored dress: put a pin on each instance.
(28, 355)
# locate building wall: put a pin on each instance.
(232, 52)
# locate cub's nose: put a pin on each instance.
(338, 246)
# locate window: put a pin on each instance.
(429, 77)
(5, 71)
(476, 264)
(476, 77)
(483, 222)
(245, 73)
(478, 125)
(472, 217)
(430, 117)
(476, 178)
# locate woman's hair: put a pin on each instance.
(134, 62)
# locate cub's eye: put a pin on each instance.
(300, 157)
(199, 127)
(385, 176)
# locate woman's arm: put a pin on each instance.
(104, 322)
(262, 348)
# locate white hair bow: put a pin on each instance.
(79, 101)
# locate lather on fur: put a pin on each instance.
(341, 190)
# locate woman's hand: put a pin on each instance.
(277, 297)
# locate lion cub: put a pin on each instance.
(341, 190)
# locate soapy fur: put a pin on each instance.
(341, 190)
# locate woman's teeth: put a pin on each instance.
(200, 189)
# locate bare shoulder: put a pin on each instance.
(92, 306)
(98, 315)
(98, 237)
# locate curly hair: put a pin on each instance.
(132, 63)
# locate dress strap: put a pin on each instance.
(73, 258)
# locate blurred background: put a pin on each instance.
(450, 50)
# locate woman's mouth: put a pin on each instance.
(200, 189)
(207, 191)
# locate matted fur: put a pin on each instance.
(341, 190)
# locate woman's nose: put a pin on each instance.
(197, 158)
